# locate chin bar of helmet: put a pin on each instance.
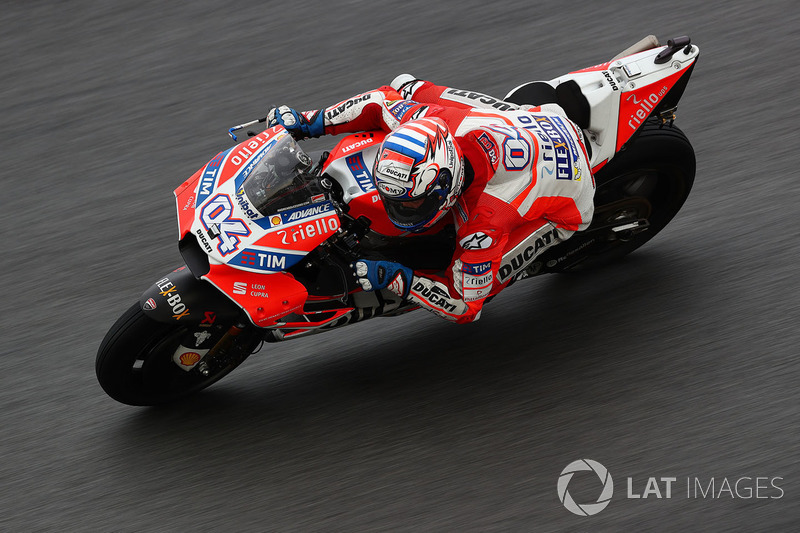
(242, 126)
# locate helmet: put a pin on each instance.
(419, 173)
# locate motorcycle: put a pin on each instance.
(268, 233)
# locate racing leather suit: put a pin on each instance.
(528, 183)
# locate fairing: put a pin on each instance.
(624, 92)
(265, 237)
(249, 245)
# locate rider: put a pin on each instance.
(516, 179)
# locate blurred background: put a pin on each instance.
(681, 361)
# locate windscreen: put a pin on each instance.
(280, 179)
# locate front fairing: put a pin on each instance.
(234, 226)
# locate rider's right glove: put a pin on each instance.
(377, 275)
(300, 125)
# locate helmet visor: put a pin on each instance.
(410, 214)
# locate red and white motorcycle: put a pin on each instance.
(268, 234)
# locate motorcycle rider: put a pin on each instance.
(516, 179)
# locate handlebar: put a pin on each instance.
(245, 125)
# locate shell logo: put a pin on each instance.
(275, 220)
(190, 358)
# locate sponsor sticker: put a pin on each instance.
(558, 143)
(201, 337)
(435, 296)
(334, 111)
(390, 189)
(476, 268)
(471, 98)
(358, 144)
(360, 171)
(190, 358)
(170, 293)
(245, 206)
(239, 287)
(519, 257)
(305, 212)
(265, 260)
(400, 108)
(208, 180)
(308, 229)
(397, 285)
(395, 165)
(476, 280)
(476, 241)
(489, 147)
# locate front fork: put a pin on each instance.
(208, 350)
(214, 322)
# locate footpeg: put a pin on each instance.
(626, 231)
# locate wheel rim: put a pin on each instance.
(648, 195)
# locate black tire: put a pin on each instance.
(134, 362)
(649, 180)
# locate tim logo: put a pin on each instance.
(216, 217)
(208, 180)
(360, 172)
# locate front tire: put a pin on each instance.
(134, 362)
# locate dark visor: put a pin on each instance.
(409, 213)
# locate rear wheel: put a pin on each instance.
(135, 361)
(638, 193)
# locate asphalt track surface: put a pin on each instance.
(681, 361)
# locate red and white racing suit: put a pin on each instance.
(532, 185)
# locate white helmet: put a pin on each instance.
(419, 173)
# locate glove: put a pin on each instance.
(300, 125)
(377, 275)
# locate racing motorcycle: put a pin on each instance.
(268, 233)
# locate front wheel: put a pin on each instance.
(135, 364)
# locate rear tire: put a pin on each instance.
(649, 180)
(134, 362)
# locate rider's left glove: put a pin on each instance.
(300, 125)
(377, 275)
